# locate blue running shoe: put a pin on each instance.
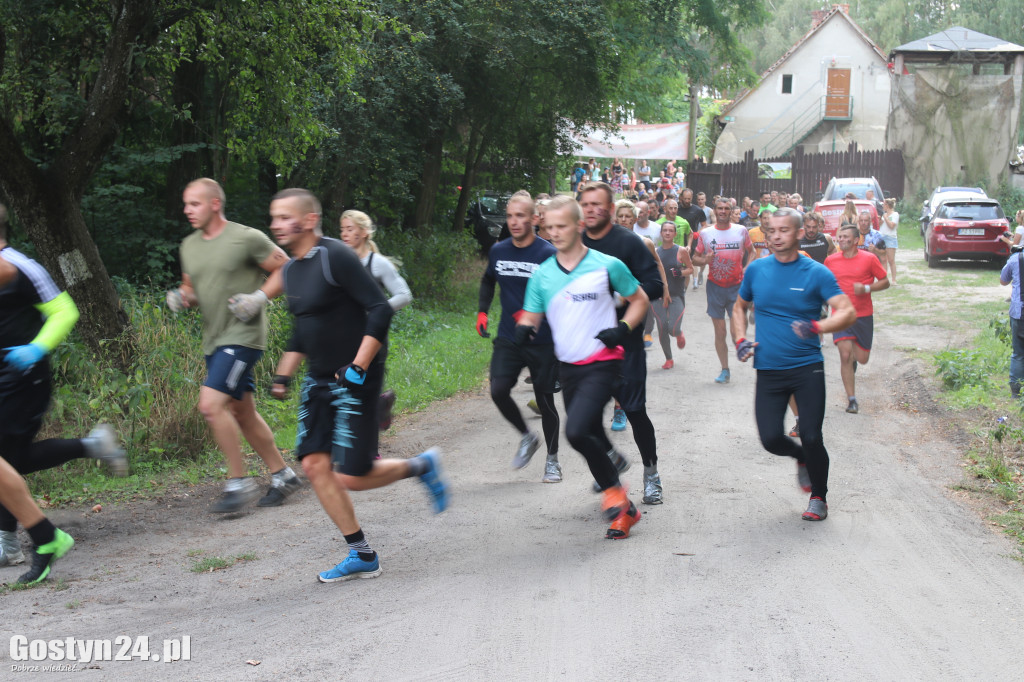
(722, 378)
(351, 568)
(433, 479)
(619, 420)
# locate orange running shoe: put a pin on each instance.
(615, 502)
(619, 529)
(680, 341)
(669, 364)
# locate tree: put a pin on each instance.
(73, 73)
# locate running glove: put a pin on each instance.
(481, 325)
(25, 357)
(175, 301)
(247, 306)
(525, 334)
(805, 329)
(614, 336)
(744, 350)
(352, 375)
(282, 380)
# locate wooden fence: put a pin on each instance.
(810, 173)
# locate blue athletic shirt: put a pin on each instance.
(783, 293)
(511, 267)
(580, 303)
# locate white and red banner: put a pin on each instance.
(646, 141)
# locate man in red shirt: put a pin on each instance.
(859, 273)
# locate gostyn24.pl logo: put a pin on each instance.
(75, 650)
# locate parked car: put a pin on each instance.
(485, 218)
(833, 201)
(966, 228)
(941, 194)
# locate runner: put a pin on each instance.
(511, 263)
(357, 232)
(859, 273)
(727, 249)
(616, 241)
(35, 317)
(644, 226)
(574, 292)
(788, 291)
(676, 262)
(49, 543)
(758, 236)
(696, 219)
(217, 260)
(341, 323)
(627, 215)
(870, 239)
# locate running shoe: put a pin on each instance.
(803, 478)
(669, 364)
(279, 490)
(237, 494)
(619, 530)
(615, 502)
(619, 419)
(10, 548)
(795, 431)
(101, 444)
(648, 341)
(385, 403)
(527, 446)
(552, 471)
(700, 278)
(723, 377)
(437, 486)
(533, 406)
(680, 341)
(45, 556)
(853, 407)
(351, 568)
(817, 510)
(652, 489)
(696, 284)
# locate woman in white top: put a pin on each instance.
(888, 227)
(357, 232)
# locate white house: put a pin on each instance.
(831, 88)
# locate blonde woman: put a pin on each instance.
(888, 228)
(849, 213)
(357, 232)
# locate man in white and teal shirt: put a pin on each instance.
(574, 290)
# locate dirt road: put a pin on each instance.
(515, 582)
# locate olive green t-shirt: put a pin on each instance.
(219, 268)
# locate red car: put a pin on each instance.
(966, 228)
(832, 201)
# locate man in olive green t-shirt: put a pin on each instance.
(218, 261)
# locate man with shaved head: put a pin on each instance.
(223, 273)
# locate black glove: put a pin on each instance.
(351, 375)
(283, 382)
(614, 336)
(524, 334)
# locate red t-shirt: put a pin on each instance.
(863, 268)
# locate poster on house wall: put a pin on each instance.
(775, 171)
(640, 141)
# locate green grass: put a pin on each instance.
(216, 563)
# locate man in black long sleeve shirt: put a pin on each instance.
(602, 235)
(341, 322)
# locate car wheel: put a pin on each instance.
(933, 262)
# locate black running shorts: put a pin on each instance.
(632, 392)
(340, 421)
(509, 359)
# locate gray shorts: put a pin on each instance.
(720, 300)
(861, 332)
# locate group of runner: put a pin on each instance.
(574, 305)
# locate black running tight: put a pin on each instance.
(587, 389)
(501, 394)
(27, 457)
(771, 398)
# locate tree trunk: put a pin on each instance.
(189, 83)
(474, 154)
(68, 253)
(430, 181)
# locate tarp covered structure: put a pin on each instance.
(954, 117)
(640, 141)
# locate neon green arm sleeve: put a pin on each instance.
(61, 314)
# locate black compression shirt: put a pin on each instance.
(20, 321)
(331, 319)
(629, 248)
